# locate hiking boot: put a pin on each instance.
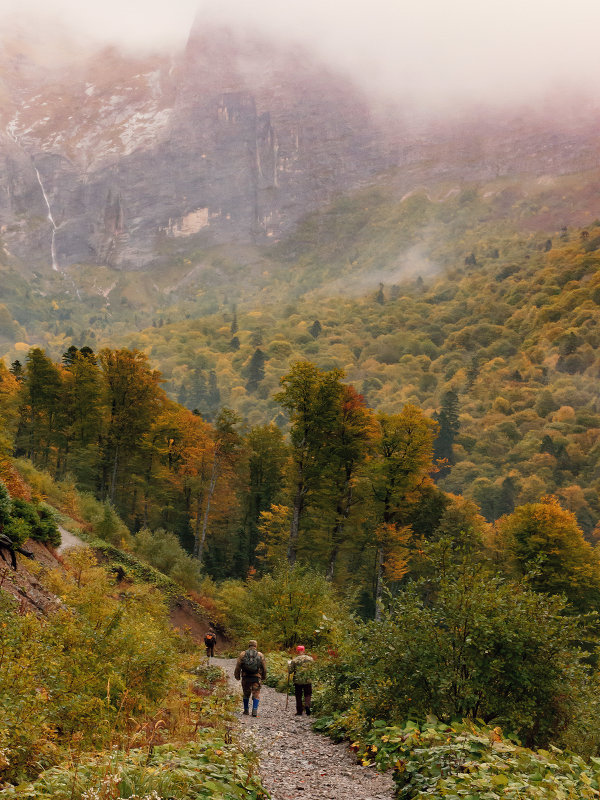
(246, 712)
(254, 712)
(298, 714)
(307, 712)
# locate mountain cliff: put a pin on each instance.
(126, 159)
(129, 161)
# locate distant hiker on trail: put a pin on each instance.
(210, 641)
(251, 668)
(301, 667)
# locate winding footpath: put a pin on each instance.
(298, 764)
(68, 540)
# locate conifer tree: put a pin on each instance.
(449, 425)
(473, 371)
(41, 409)
(133, 397)
(69, 356)
(256, 370)
(16, 369)
(84, 410)
(315, 329)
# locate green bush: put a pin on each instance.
(478, 648)
(163, 551)
(17, 530)
(27, 520)
(209, 769)
(277, 671)
(291, 605)
(110, 527)
(83, 670)
(47, 530)
(469, 760)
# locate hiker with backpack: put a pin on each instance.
(251, 668)
(300, 668)
(210, 641)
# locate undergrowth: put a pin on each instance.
(102, 700)
(467, 760)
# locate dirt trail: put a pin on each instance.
(68, 540)
(298, 763)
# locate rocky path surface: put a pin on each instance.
(298, 764)
(68, 540)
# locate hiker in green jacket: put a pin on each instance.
(300, 668)
(251, 668)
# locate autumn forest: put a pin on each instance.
(377, 436)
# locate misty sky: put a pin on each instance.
(431, 49)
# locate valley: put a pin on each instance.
(309, 359)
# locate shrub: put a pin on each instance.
(164, 552)
(27, 520)
(110, 527)
(84, 670)
(479, 648)
(293, 604)
(469, 760)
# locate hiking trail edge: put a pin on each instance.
(296, 762)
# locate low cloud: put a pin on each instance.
(433, 53)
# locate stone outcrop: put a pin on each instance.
(127, 162)
(234, 141)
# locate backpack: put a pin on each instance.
(210, 639)
(251, 662)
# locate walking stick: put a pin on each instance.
(287, 692)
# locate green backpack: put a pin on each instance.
(251, 662)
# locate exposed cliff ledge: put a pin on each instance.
(235, 141)
(126, 161)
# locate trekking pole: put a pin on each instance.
(287, 692)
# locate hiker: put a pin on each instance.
(251, 668)
(210, 641)
(301, 668)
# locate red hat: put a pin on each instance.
(300, 648)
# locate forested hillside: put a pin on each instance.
(378, 437)
(503, 339)
(299, 350)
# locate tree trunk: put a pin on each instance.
(342, 513)
(197, 524)
(113, 480)
(295, 527)
(211, 490)
(379, 585)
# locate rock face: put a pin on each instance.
(127, 162)
(233, 141)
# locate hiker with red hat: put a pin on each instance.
(300, 667)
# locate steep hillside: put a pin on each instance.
(509, 322)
